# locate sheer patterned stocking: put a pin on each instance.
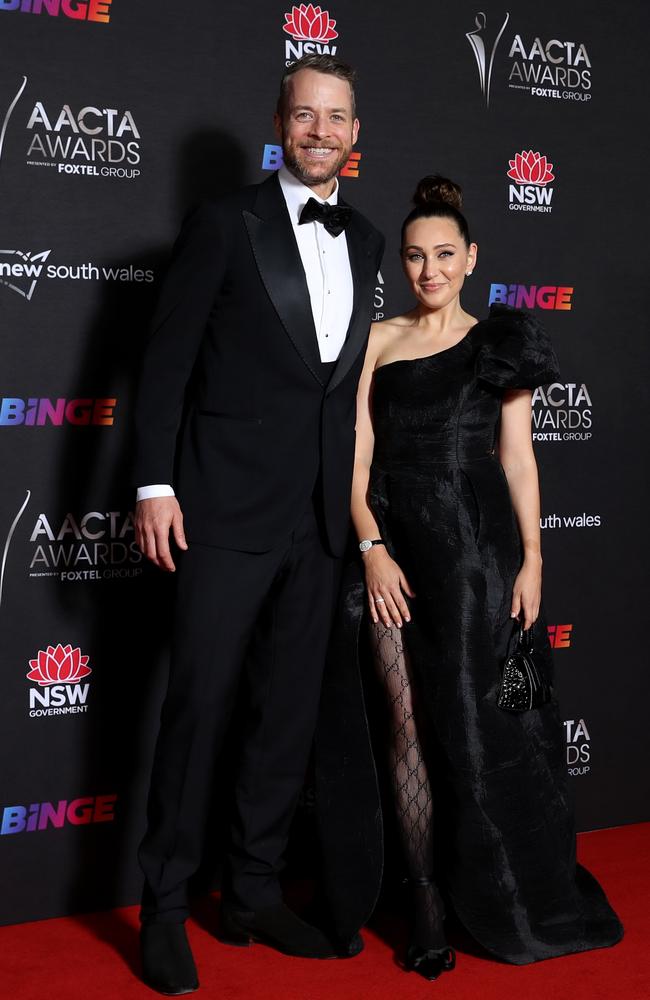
(411, 786)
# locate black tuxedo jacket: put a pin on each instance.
(233, 362)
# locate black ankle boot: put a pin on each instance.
(428, 953)
(167, 963)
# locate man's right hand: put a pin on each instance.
(153, 520)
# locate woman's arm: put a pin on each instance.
(384, 579)
(518, 461)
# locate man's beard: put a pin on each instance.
(301, 174)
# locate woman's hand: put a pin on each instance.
(386, 588)
(527, 591)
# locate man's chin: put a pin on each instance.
(313, 174)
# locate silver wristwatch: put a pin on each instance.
(367, 543)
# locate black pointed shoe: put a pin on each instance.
(277, 926)
(430, 964)
(167, 963)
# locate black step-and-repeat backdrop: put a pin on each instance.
(115, 117)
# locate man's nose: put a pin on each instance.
(319, 126)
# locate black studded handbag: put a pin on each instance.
(523, 684)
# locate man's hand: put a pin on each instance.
(153, 520)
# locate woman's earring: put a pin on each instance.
(468, 274)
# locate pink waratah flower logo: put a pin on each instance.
(531, 168)
(307, 23)
(59, 665)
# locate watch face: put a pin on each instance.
(365, 545)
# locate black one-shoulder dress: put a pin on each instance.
(441, 499)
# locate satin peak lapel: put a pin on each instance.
(280, 267)
(362, 264)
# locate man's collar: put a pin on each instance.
(296, 194)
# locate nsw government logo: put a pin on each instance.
(530, 175)
(58, 672)
(20, 270)
(311, 29)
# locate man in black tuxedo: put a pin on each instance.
(257, 346)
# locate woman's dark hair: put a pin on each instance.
(438, 197)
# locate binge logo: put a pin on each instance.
(312, 29)
(78, 10)
(41, 815)
(532, 296)
(559, 636)
(578, 747)
(58, 671)
(96, 546)
(272, 159)
(532, 174)
(41, 412)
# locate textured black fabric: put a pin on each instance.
(499, 781)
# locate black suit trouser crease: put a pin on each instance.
(268, 614)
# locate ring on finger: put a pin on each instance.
(379, 600)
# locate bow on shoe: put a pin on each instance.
(334, 217)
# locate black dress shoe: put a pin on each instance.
(430, 964)
(277, 926)
(167, 962)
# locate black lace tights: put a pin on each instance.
(411, 786)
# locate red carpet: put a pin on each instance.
(92, 957)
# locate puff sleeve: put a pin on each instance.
(516, 352)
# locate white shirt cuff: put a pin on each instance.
(148, 492)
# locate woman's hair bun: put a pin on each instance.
(435, 188)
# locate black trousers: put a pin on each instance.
(283, 599)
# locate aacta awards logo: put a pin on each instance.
(531, 173)
(97, 546)
(311, 29)
(92, 141)
(556, 69)
(562, 411)
(58, 671)
(578, 747)
(77, 10)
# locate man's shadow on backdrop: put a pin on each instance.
(125, 623)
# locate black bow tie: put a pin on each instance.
(334, 217)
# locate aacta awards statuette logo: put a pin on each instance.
(58, 671)
(483, 52)
(531, 173)
(312, 29)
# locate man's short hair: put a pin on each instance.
(322, 64)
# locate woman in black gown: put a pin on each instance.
(445, 477)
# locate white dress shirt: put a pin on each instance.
(326, 263)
